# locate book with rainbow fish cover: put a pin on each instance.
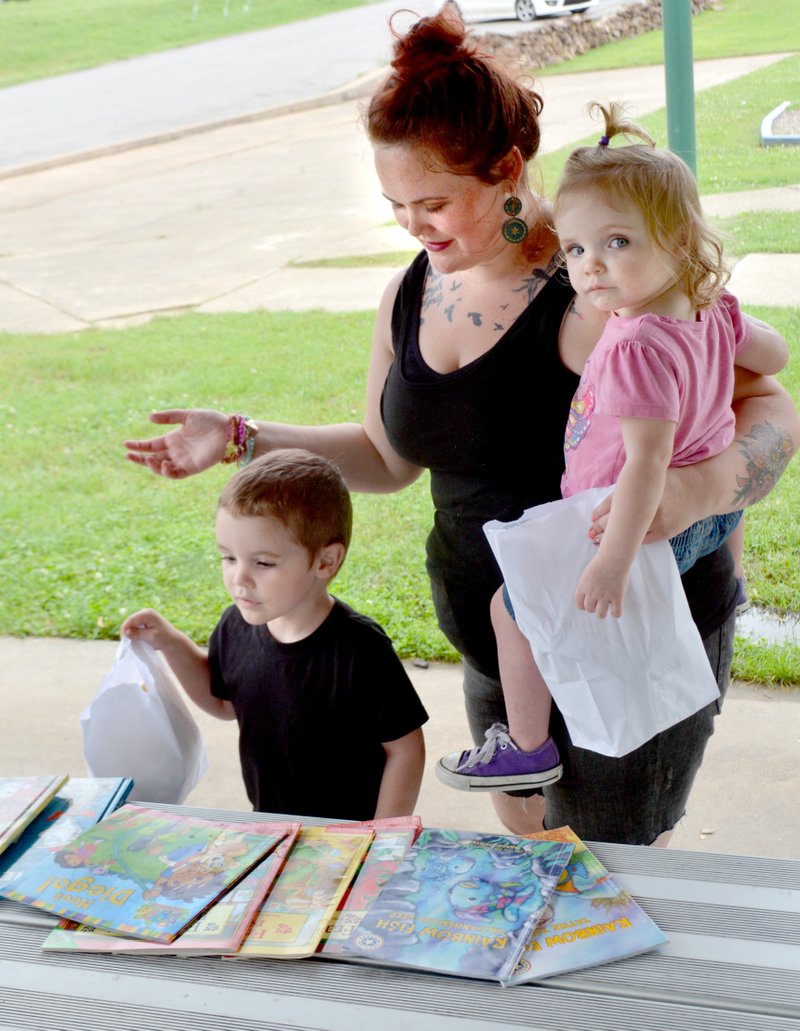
(393, 838)
(21, 801)
(589, 920)
(462, 903)
(144, 872)
(218, 932)
(305, 896)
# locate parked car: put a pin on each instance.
(524, 10)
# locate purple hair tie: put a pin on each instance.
(603, 141)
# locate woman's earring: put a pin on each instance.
(515, 229)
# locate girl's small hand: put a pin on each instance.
(197, 444)
(668, 521)
(601, 589)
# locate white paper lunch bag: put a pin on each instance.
(138, 725)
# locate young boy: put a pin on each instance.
(329, 722)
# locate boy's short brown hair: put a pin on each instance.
(305, 492)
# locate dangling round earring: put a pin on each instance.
(515, 229)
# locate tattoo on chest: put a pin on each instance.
(767, 450)
(445, 298)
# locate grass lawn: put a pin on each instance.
(48, 37)
(95, 538)
(728, 117)
(732, 28)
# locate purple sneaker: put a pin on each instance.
(742, 604)
(498, 765)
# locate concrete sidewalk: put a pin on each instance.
(213, 221)
(210, 221)
(744, 800)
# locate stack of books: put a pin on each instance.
(135, 878)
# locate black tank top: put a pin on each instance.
(492, 436)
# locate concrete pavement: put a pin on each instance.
(210, 221)
(744, 801)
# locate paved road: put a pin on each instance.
(213, 82)
(208, 82)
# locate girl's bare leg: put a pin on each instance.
(520, 815)
(526, 694)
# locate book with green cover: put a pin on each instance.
(462, 903)
(144, 872)
(305, 896)
(218, 932)
(589, 920)
(21, 801)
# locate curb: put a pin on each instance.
(768, 138)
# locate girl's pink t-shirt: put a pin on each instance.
(655, 367)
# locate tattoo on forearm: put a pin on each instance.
(767, 449)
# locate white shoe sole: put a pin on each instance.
(523, 782)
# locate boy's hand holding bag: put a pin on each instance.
(138, 725)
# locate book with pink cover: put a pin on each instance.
(393, 838)
(218, 932)
(307, 893)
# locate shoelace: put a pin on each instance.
(495, 735)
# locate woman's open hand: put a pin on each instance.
(197, 443)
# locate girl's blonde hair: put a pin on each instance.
(662, 187)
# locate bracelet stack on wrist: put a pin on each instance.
(241, 440)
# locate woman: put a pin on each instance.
(475, 359)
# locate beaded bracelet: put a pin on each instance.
(241, 440)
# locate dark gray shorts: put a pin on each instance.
(629, 800)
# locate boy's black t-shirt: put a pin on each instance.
(312, 714)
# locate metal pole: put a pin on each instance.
(679, 73)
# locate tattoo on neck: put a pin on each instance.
(573, 309)
(537, 278)
(434, 290)
(767, 449)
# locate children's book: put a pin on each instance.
(393, 838)
(462, 903)
(21, 801)
(299, 908)
(79, 804)
(589, 920)
(144, 872)
(218, 932)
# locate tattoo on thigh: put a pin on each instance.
(767, 449)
